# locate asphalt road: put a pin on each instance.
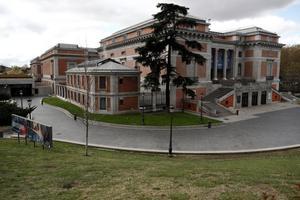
(269, 130)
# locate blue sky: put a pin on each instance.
(30, 27)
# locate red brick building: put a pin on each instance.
(113, 88)
(51, 66)
(246, 61)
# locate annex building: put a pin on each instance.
(241, 69)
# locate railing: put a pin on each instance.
(269, 78)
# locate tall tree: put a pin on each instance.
(158, 48)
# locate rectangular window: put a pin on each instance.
(102, 103)
(112, 55)
(240, 54)
(121, 101)
(270, 68)
(239, 69)
(102, 82)
(120, 80)
(71, 65)
(123, 53)
(78, 80)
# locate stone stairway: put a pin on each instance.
(289, 97)
(212, 107)
(215, 110)
(218, 93)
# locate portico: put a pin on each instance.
(222, 65)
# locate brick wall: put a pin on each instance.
(275, 97)
(248, 69)
(47, 67)
(129, 103)
(228, 102)
(270, 53)
(263, 70)
(129, 84)
(249, 53)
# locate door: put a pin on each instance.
(245, 99)
(264, 97)
(254, 98)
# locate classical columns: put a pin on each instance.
(225, 64)
(216, 64)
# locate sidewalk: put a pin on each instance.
(253, 112)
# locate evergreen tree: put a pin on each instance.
(157, 51)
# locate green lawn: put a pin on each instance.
(152, 119)
(64, 173)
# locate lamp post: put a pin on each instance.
(21, 94)
(29, 106)
(142, 108)
(201, 108)
(171, 110)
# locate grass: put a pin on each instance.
(64, 173)
(151, 119)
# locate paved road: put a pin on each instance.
(269, 130)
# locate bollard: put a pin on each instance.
(237, 112)
(75, 117)
(209, 125)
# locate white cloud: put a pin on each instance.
(30, 27)
(271, 23)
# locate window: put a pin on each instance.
(102, 103)
(125, 37)
(121, 101)
(270, 67)
(139, 33)
(78, 97)
(102, 82)
(123, 60)
(112, 55)
(123, 53)
(238, 99)
(240, 54)
(113, 40)
(71, 65)
(239, 69)
(120, 80)
(78, 79)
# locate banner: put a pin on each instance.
(32, 130)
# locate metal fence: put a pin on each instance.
(149, 98)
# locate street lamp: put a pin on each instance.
(171, 110)
(142, 108)
(29, 106)
(21, 94)
(201, 108)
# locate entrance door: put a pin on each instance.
(254, 98)
(245, 99)
(264, 97)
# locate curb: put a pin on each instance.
(244, 151)
(92, 122)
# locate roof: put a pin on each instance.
(108, 65)
(249, 30)
(147, 23)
